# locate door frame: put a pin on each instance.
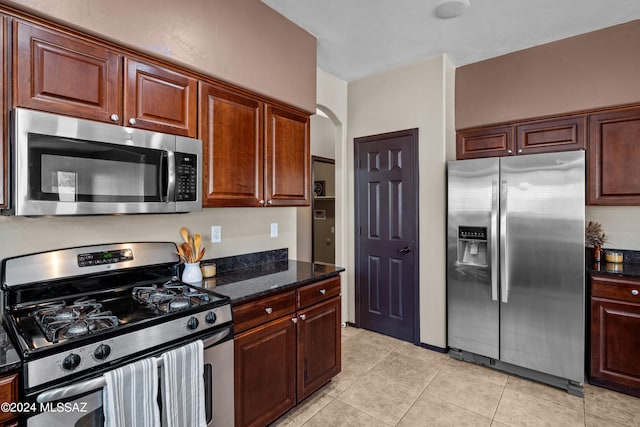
(313, 202)
(413, 135)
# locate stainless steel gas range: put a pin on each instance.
(77, 313)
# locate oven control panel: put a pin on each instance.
(104, 257)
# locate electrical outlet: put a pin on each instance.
(274, 229)
(216, 233)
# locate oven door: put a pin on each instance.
(80, 404)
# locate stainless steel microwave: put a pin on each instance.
(69, 166)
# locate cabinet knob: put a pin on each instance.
(269, 310)
(132, 121)
(509, 151)
(115, 117)
(270, 202)
(323, 291)
(520, 150)
(294, 320)
(303, 316)
(634, 292)
(261, 202)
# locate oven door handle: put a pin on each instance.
(72, 390)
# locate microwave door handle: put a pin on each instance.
(169, 172)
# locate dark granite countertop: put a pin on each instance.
(630, 267)
(9, 359)
(263, 279)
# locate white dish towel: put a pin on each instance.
(183, 386)
(130, 396)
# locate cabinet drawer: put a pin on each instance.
(316, 292)
(623, 289)
(255, 313)
(8, 393)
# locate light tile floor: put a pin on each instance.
(388, 382)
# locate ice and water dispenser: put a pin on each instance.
(472, 246)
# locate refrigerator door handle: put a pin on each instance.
(494, 240)
(504, 259)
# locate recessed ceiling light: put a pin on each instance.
(451, 8)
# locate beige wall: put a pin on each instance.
(241, 41)
(592, 70)
(589, 71)
(414, 96)
(244, 230)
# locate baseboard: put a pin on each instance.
(433, 347)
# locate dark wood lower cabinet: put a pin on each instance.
(280, 362)
(319, 346)
(615, 333)
(265, 384)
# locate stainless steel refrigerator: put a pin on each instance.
(515, 273)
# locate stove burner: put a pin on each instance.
(83, 317)
(170, 296)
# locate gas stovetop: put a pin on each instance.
(74, 310)
(71, 321)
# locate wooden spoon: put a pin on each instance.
(187, 251)
(197, 241)
(185, 234)
(181, 253)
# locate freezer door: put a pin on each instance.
(472, 257)
(542, 263)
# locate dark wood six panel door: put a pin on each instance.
(387, 233)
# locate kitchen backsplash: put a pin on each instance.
(244, 230)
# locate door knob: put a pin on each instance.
(405, 250)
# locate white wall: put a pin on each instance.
(414, 96)
(323, 144)
(332, 99)
(244, 230)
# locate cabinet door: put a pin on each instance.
(613, 177)
(8, 393)
(59, 73)
(615, 345)
(230, 129)
(488, 142)
(159, 99)
(287, 158)
(318, 346)
(265, 374)
(553, 135)
(4, 121)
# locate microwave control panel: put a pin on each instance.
(186, 177)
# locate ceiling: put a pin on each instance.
(357, 38)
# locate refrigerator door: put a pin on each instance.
(472, 256)
(542, 263)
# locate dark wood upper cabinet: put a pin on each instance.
(613, 176)
(487, 142)
(615, 341)
(63, 74)
(160, 99)
(287, 157)
(4, 121)
(552, 135)
(231, 133)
